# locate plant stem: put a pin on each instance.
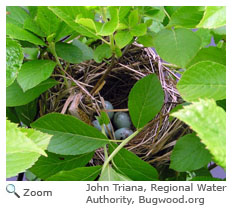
(104, 76)
(53, 51)
(119, 148)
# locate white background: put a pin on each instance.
(71, 195)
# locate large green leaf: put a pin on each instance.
(47, 20)
(22, 151)
(209, 121)
(145, 100)
(16, 97)
(34, 72)
(147, 40)
(189, 154)
(63, 31)
(87, 52)
(54, 163)
(214, 17)
(26, 113)
(31, 25)
(110, 27)
(87, 22)
(12, 115)
(69, 52)
(132, 166)
(133, 18)
(71, 136)
(101, 52)
(211, 53)
(205, 79)
(21, 34)
(139, 30)
(205, 35)
(78, 174)
(177, 46)
(122, 38)
(14, 60)
(187, 16)
(109, 174)
(68, 15)
(16, 15)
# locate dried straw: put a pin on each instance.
(155, 143)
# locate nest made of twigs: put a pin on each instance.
(155, 142)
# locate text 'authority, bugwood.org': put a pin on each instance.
(152, 194)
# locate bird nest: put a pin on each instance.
(155, 142)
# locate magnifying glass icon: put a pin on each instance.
(10, 188)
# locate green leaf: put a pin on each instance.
(103, 118)
(203, 80)
(123, 12)
(16, 15)
(139, 30)
(154, 12)
(32, 11)
(21, 34)
(122, 38)
(133, 18)
(78, 174)
(89, 23)
(101, 52)
(31, 53)
(189, 154)
(171, 9)
(68, 15)
(110, 27)
(220, 30)
(30, 176)
(27, 113)
(178, 107)
(187, 16)
(63, 31)
(211, 53)
(87, 52)
(21, 151)
(47, 166)
(209, 121)
(147, 40)
(14, 60)
(222, 103)
(109, 174)
(71, 136)
(34, 72)
(177, 46)
(205, 178)
(145, 100)
(214, 17)
(156, 27)
(47, 20)
(132, 166)
(40, 139)
(12, 115)
(16, 97)
(32, 26)
(69, 52)
(205, 36)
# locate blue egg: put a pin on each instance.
(122, 119)
(122, 133)
(98, 126)
(109, 106)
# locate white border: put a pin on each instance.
(71, 195)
